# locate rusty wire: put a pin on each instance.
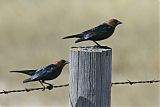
(65, 85)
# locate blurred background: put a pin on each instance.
(30, 37)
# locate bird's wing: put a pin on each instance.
(41, 72)
(101, 29)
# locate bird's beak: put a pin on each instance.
(119, 22)
(67, 62)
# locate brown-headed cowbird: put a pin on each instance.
(48, 72)
(98, 33)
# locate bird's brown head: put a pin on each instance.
(113, 22)
(61, 62)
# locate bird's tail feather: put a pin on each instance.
(79, 40)
(72, 36)
(28, 72)
(27, 80)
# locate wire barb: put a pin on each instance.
(65, 85)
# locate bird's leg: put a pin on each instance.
(97, 44)
(50, 86)
(105, 47)
(46, 83)
(42, 85)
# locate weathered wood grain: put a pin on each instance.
(90, 77)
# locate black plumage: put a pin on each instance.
(98, 33)
(43, 74)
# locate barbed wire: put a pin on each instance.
(67, 84)
(31, 89)
(135, 82)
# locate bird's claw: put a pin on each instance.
(50, 87)
(99, 46)
(105, 47)
(96, 46)
(43, 89)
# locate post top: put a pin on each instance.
(91, 48)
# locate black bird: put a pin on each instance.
(98, 33)
(48, 72)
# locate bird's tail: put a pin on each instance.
(28, 72)
(79, 40)
(27, 80)
(72, 36)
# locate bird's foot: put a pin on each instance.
(105, 47)
(96, 46)
(43, 88)
(50, 87)
(99, 46)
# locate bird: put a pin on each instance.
(100, 32)
(45, 73)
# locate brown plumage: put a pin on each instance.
(48, 72)
(98, 33)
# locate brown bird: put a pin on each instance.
(98, 33)
(48, 72)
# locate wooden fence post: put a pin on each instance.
(90, 77)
